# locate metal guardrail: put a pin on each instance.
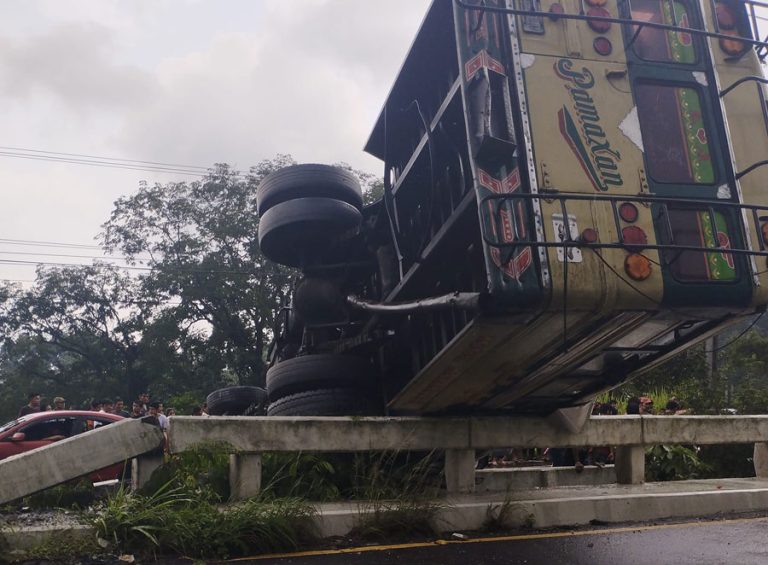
(663, 204)
(760, 46)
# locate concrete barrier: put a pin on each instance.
(27, 473)
(527, 478)
(461, 436)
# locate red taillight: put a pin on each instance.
(628, 212)
(634, 236)
(725, 16)
(733, 46)
(602, 46)
(555, 10)
(597, 25)
(637, 266)
(589, 235)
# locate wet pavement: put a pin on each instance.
(740, 541)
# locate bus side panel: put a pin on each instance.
(748, 133)
(514, 277)
(586, 141)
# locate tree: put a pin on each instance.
(77, 332)
(200, 241)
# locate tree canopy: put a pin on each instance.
(195, 311)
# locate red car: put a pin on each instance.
(43, 428)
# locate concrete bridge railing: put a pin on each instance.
(459, 437)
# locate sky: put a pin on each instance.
(191, 82)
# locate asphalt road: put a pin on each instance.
(739, 541)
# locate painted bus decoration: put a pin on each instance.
(575, 191)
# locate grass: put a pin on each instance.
(179, 510)
(203, 469)
(183, 520)
(397, 496)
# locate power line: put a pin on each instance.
(174, 165)
(47, 243)
(101, 164)
(124, 267)
(28, 253)
(108, 162)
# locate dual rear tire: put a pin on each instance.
(237, 401)
(303, 209)
(322, 385)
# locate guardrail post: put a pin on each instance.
(244, 475)
(142, 468)
(630, 464)
(760, 460)
(460, 470)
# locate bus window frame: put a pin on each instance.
(713, 140)
(667, 237)
(695, 21)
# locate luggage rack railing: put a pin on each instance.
(758, 214)
(760, 46)
(759, 82)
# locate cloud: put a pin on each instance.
(72, 63)
(308, 81)
(185, 81)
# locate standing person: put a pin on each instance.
(144, 401)
(136, 411)
(59, 403)
(120, 408)
(107, 406)
(154, 411)
(96, 406)
(32, 406)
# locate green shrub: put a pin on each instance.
(133, 521)
(204, 469)
(673, 463)
(183, 520)
(304, 475)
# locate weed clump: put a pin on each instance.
(398, 496)
(183, 520)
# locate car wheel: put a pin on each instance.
(292, 232)
(325, 402)
(237, 401)
(312, 372)
(310, 180)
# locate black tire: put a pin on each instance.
(237, 401)
(312, 372)
(326, 402)
(310, 180)
(292, 231)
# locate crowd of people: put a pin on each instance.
(581, 457)
(142, 406)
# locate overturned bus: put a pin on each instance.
(575, 191)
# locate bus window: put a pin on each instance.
(694, 227)
(654, 44)
(674, 134)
